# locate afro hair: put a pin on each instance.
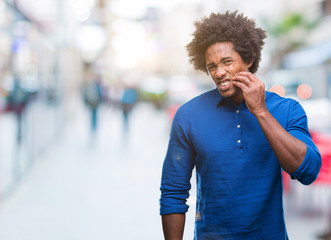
(229, 27)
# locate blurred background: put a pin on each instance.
(87, 94)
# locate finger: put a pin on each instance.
(252, 77)
(243, 86)
(243, 79)
(249, 79)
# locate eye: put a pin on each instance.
(228, 61)
(211, 68)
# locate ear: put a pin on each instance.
(249, 65)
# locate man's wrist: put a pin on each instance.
(261, 113)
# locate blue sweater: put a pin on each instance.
(239, 180)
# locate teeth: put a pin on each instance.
(224, 83)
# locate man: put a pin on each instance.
(238, 136)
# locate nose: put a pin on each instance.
(220, 71)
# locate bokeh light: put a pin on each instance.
(304, 91)
(279, 89)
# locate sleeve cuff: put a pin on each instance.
(170, 210)
(309, 169)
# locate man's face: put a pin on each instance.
(222, 63)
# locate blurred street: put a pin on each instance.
(101, 188)
(106, 187)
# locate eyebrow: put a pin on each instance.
(222, 60)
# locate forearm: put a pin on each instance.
(173, 226)
(289, 150)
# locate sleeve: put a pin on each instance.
(297, 126)
(177, 168)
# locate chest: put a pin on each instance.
(227, 130)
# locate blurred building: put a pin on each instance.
(304, 71)
(43, 48)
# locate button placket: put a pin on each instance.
(238, 129)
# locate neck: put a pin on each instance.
(238, 99)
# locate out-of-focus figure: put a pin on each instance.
(93, 96)
(129, 99)
(326, 236)
(17, 101)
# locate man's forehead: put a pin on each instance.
(220, 50)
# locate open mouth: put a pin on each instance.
(223, 84)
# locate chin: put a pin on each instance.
(227, 94)
(231, 93)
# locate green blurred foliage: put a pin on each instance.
(290, 21)
(290, 32)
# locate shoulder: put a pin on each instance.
(200, 100)
(284, 107)
(194, 107)
(273, 99)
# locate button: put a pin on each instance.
(239, 141)
(237, 111)
(238, 126)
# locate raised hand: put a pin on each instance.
(253, 90)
